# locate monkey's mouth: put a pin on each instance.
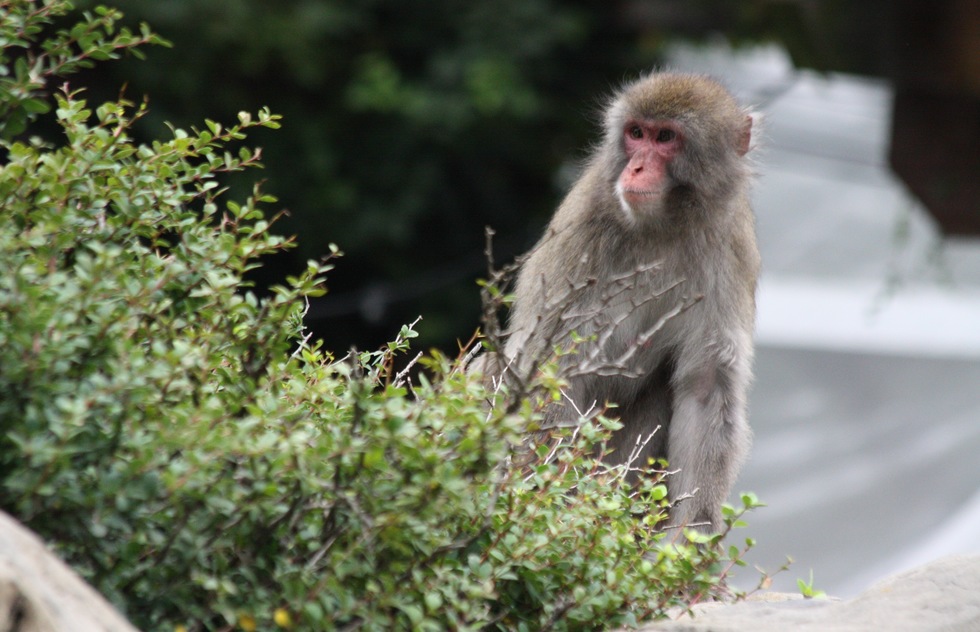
(634, 200)
(641, 197)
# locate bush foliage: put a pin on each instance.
(188, 448)
(408, 123)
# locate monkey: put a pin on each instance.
(651, 263)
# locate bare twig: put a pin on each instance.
(309, 334)
(639, 445)
(401, 375)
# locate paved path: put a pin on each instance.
(862, 459)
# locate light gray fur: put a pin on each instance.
(601, 271)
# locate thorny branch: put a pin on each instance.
(594, 327)
(613, 305)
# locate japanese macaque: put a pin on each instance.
(651, 264)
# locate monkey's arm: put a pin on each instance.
(708, 435)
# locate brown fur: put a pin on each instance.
(691, 378)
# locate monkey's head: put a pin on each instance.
(678, 142)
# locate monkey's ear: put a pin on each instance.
(745, 136)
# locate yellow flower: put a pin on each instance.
(282, 618)
(247, 622)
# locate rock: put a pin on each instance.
(943, 595)
(39, 593)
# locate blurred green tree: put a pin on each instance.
(407, 128)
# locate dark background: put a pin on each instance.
(411, 125)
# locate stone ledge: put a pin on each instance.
(942, 595)
(40, 593)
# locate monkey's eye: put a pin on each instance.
(636, 132)
(665, 135)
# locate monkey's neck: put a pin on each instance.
(685, 216)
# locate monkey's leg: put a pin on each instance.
(643, 437)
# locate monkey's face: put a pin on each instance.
(650, 146)
(674, 149)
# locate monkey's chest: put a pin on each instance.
(635, 327)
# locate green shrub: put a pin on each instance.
(186, 447)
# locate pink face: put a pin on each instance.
(650, 146)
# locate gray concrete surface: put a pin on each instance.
(939, 596)
(861, 459)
